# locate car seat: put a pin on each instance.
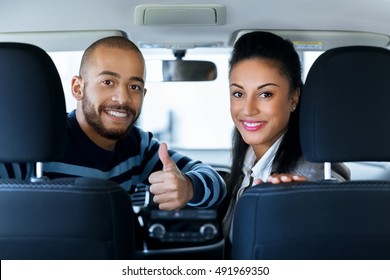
(345, 117)
(67, 218)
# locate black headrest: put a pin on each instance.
(33, 112)
(345, 109)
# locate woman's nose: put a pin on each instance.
(251, 107)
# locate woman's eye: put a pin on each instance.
(265, 94)
(237, 94)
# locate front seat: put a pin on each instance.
(345, 117)
(69, 218)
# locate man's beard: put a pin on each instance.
(93, 119)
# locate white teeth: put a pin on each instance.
(117, 114)
(252, 124)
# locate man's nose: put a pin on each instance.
(122, 95)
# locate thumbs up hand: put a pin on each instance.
(168, 163)
(170, 187)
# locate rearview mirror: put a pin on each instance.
(180, 71)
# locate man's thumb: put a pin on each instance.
(166, 160)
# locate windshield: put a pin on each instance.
(186, 115)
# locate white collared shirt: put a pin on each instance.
(262, 169)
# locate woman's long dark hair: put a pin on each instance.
(266, 45)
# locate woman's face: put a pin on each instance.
(260, 102)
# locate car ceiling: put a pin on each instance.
(20, 17)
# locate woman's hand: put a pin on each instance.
(285, 178)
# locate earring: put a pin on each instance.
(293, 109)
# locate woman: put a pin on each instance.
(265, 88)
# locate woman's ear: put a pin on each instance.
(77, 85)
(295, 99)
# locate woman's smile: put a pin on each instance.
(253, 125)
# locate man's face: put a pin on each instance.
(112, 92)
(93, 118)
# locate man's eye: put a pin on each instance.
(107, 82)
(136, 87)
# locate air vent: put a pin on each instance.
(186, 14)
(140, 197)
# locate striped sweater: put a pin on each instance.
(134, 158)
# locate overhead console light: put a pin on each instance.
(180, 14)
(312, 40)
(59, 40)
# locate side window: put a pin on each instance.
(307, 61)
(67, 64)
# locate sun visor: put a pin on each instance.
(59, 40)
(312, 40)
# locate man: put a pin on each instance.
(104, 142)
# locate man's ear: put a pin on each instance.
(77, 85)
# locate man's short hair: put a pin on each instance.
(110, 42)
